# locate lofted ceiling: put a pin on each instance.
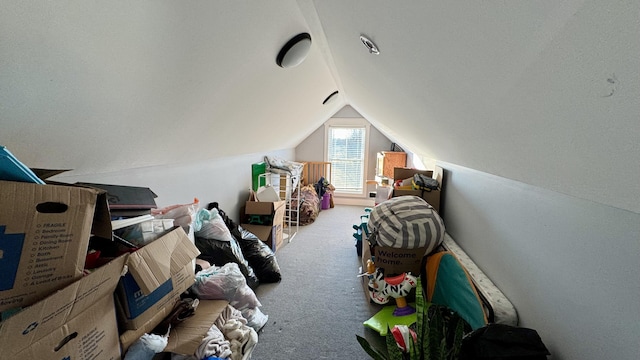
(544, 92)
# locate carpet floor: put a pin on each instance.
(319, 306)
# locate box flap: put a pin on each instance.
(156, 262)
(48, 315)
(187, 336)
(262, 208)
(101, 225)
(438, 174)
(44, 174)
(127, 197)
(261, 231)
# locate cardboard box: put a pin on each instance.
(186, 337)
(77, 322)
(263, 213)
(366, 255)
(265, 220)
(393, 261)
(44, 237)
(158, 273)
(432, 197)
(128, 337)
(270, 235)
(396, 261)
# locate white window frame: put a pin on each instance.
(350, 123)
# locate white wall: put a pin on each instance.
(224, 180)
(312, 148)
(570, 266)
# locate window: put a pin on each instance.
(346, 149)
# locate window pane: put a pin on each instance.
(346, 153)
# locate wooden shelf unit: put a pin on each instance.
(389, 160)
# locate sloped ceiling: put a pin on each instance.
(104, 86)
(544, 92)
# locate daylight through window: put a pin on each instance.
(345, 151)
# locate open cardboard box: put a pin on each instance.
(271, 235)
(187, 336)
(392, 260)
(44, 237)
(77, 322)
(432, 197)
(269, 231)
(158, 273)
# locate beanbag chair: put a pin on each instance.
(406, 222)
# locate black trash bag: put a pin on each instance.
(219, 247)
(260, 256)
(219, 252)
(503, 342)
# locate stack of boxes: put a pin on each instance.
(430, 196)
(393, 260)
(265, 219)
(52, 307)
(44, 237)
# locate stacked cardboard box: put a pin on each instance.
(265, 220)
(392, 260)
(44, 235)
(50, 308)
(430, 196)
(55, 311)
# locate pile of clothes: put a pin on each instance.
(228, 338)
(224, 271)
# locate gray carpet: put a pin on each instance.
(319, 306)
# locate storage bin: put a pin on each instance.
(326, 201)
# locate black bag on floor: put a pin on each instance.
(503, 342)
(219, 252)
(259, 255)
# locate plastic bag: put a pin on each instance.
(210, 225)
(221, 252)
(255, 318)
(225, 283)
(182, 215)
(500, 341)
(260, 256)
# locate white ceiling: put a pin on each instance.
(543, 92)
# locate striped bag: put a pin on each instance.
(406, 222)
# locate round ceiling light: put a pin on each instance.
(373, 49)
(294, 51)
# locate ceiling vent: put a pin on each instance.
(373, 49)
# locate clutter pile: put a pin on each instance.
(442, 310)
(101, 272)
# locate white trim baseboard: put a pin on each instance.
(353, 201)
